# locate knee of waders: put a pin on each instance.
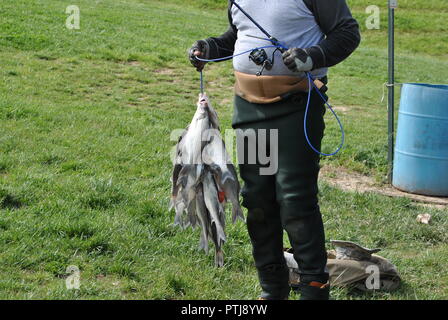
(260, 205)
(256, 215)
(260, 223)
(262, 212)
(304, 226)
(255, 222)
(255, 200)
(298, 212)
(298, 198)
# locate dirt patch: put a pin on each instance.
(168, 75)
(133, 63)
(353, 181)
(226, 102)
(342, 109)
(165, 71)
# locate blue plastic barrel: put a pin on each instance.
(421, 148)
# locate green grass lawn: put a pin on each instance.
(85, 123)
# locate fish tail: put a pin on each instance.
(222, 216)
(217, 234)
(220, 235)
(237, 213)
(178, 219)
(192, 218)
(219, 258)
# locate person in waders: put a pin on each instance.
(271, 92)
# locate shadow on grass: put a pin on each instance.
(404, 291)
(9, 200)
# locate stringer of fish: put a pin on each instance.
(204, 180)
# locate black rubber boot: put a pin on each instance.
(318, 291)
(266, 235)
(274, 282)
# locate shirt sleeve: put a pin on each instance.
(341, 31)
(224, 45)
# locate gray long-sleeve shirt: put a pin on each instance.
(325, 28)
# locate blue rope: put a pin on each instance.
(311, 85)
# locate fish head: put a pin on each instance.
(203, 102)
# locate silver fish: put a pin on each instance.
(195, 138)
(231, 189)
(215, 155)
(204, 220)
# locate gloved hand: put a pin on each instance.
(198, 49)
(297, 60)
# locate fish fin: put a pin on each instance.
(203, 242)
(200, 172)
(186, 224)
(215, 170)
(237, 213)
(184, 196)
(232, 170)
(219, 258)
(222, 216)
(175, 176)
(193, 171)
(185, 171)
(209, 228)
(213, 116)
(192, 221)
(222, 236)
(182, 181)
(178, 218)
(227, 175)
(221, 176)
(218, 233)
(192, 213)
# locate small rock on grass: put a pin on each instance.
(424, 218)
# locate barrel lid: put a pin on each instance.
(427, 85)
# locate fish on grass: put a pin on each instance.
(204, 180)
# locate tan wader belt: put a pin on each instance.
(269, 89)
